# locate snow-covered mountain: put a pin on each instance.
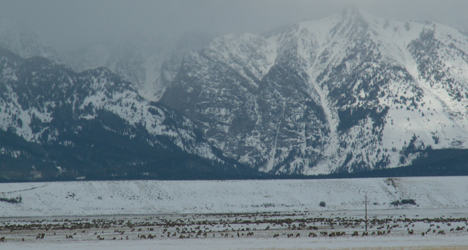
(57, 123)
(350, 92)
(347, 93)
(23, 41)
(149, 63)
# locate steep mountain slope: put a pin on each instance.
(350, 92)
(58, 124)
(147, 62)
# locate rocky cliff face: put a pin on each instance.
(347, 93)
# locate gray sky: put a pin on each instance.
(72, 23)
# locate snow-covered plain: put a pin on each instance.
(387, 243)
(120, 211)
(86, 198)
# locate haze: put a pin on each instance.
(70, 24)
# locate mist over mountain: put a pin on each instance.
(23, 41)
(147, 62)
(344, 94)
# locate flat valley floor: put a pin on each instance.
(386, 229)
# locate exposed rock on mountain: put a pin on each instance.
(347, 93)
(58, 124)
(350, 92)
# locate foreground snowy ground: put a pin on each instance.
(270, 214)
(389, 243)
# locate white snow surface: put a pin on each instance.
(86, 198)
(382, 243)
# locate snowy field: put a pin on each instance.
(404, 213)
(389, 243)
(179, 197)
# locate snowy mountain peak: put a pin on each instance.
(349, 92)
(353, 13)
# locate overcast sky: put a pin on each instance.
(69, 24)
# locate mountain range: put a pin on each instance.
(59, 124)
(345, 94)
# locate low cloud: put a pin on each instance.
(70, 24)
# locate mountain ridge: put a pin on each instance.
(368, 75)
(350, 93)
(57, 123)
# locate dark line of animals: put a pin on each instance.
(265, 225)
